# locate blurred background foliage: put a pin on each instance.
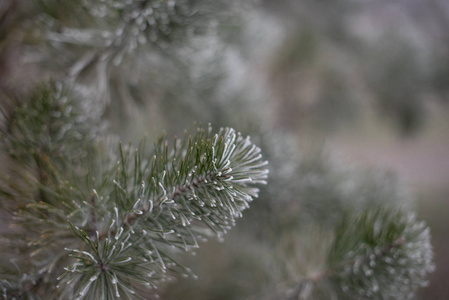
(341, 85)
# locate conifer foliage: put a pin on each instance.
(115, 217)
(93, 218)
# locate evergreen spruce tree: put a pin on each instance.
(90, 217)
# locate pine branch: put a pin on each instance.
(43, 130)
(183, 196)
(118, 28)
(383, 254)
(129, 216)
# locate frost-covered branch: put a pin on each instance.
(178, 198)
(382, 254)
(130, 211)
